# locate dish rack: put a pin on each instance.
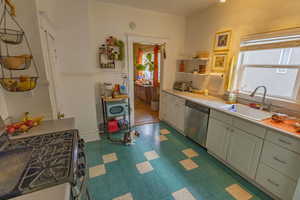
(12, 36)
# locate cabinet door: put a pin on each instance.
(180, 116)
(170, 104)
(162, 107)
(217, 138)
(244, 152)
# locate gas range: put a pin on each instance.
(56, 158)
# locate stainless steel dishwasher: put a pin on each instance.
(196, 122)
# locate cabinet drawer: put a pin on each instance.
(179, 100)
(285, 141)
(223, 117)
(276, 183)
(249, 127)
(282, 160)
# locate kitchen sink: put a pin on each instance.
(248, 112)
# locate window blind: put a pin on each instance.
(285, 38)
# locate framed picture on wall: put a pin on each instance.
(219, 61)
(222, 40)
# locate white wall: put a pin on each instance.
(243, 17)
(109, 19)
(81, 29)
(37, 103)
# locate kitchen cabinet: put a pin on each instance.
(179, 114)
(275, 182)
(173, 111)
(244, 152)
(218, 138)
(283, 160)
(163, 107)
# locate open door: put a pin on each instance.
(52, 75)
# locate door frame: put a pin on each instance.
(134, 38)
(47, 30)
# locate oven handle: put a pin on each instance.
(83, 181)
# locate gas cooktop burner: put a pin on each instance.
(50, 162)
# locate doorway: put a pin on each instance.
(146, 82)
(146, 60)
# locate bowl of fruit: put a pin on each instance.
(24, 125)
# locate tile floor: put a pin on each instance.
(162, 165)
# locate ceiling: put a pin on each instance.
(177, 7)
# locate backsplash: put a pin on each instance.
(213, 82)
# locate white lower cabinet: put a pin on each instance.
(275, 182)
(284, 161)
(244, 152)
(173, 111)
(180, 115)
(218, 138)
(272, 162)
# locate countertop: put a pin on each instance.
(218, 104)
(59, 192)
(48, 127)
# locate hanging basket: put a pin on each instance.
(19, 84)
(11, 36)
(16, 62)
(11, 33)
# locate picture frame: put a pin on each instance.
(220, 61)
(222, 40)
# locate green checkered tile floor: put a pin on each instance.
(162, 165)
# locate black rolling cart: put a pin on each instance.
(118, 107)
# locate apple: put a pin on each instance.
(29, 123)
(11, 130)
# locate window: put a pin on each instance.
(276, 68)
(149, 73)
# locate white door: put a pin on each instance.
(244, 152)
(217, 138)
(52, 75)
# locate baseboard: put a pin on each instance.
(90, 136)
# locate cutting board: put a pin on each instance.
(287, 125)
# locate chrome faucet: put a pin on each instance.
(264, 95)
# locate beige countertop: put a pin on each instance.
(59, 192)
(48, 127)
(218, 104)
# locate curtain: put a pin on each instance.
(155, 76)
(140, 56)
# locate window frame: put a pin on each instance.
(240, 75)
